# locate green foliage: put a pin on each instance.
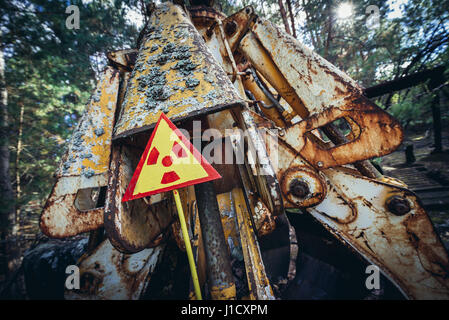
(415, 109)
(50, 73)
(407, 113)
(269, 9)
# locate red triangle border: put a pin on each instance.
(212, 174)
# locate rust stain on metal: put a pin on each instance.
(228, 220)
(326, 94)
(290, 166)
(188, 201)
(258, 283)
(405, 247)
(260, 59)
(203, 16)
(325, 86)
(223, 292)
(237, 25)
(315, 184)
(264, 176)
(108, 274)
(380, 134)
(135, 225)
(270, 112)
(218, 260)
(123, 59)
(264, 221)
(177, 72)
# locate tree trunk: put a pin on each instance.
(284, 17)
(436, 115)
(292, 17)
(7, 212)
(327, 55)
(18, 154)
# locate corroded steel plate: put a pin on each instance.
(135, 225)
(404, 247)
(175, 73)
(108, 274)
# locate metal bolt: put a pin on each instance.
(230, 28)
(398, 205)
(299, 188)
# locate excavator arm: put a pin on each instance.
(379, 218)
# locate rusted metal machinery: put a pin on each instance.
(273, 107)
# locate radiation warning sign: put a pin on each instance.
(169, 162)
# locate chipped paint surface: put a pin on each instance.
(84, 165)
(406, 248)
(315, 183)
(108, 274)
(90, 146)
(320, 94)
(237, 25)
(272, 112)
(317, 82)
(223, 292)
(290, 165)
(379, 134)
(218, 260)
(260, 59)
(354, 209)
(263, 220)
(265, 177)
(123, 59)
(228, 220)
(258, 283)
(174, 73)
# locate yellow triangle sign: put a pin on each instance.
(169, 162)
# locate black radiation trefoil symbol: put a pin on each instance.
(167, 161)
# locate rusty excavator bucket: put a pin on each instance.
(271, 105)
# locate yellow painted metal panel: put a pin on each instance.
(175, 73)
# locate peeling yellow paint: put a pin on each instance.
(175, 73)
(223, 293)
(89, 149)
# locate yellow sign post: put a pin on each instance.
(185, 235)
(170, 162)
